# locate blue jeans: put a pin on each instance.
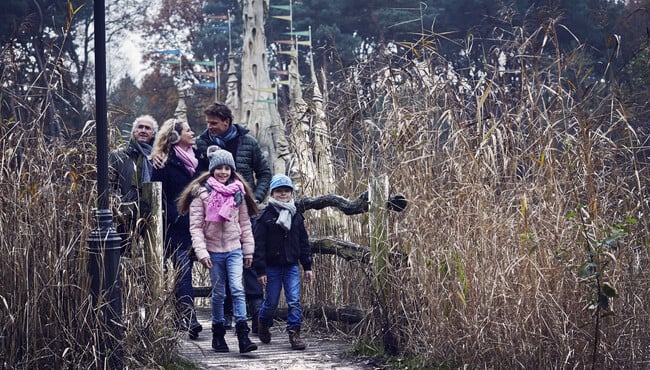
(184, 291)
(278, 277)
(227, 267)
(254, 292)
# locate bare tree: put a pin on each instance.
(257, 112)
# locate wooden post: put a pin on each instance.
(378, 230)
(378, 194)
(153, 239)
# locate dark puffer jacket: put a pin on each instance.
(276, 247)
(174, 178)
(250, 161)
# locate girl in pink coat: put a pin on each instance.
(220, 206)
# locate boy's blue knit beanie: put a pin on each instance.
(281, 180)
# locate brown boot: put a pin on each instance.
(295, 340)
(263, 332)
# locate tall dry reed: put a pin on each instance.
(47, 318)
(524, 244)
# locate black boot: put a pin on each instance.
(254, 308)
(245, 344)
(264, 333)
(195, 328)
(218, 341)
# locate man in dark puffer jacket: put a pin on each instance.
(235, 138)
(253, 167)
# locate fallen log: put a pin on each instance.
(343, 249)
(346, 314)
(347, 250)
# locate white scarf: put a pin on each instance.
(286, 211)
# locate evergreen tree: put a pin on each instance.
(159, 94)
(124, 105)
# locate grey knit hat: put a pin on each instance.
(218, 157)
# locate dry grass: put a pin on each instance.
(527, 201)
(47, 319)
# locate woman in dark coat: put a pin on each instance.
(174, 148)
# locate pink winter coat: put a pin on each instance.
(219, 237)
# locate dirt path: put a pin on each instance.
(321, 352)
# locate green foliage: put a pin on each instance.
(215, 42)
(594, 270)
(374, 352)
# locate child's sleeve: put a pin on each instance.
(305, 248)
(259, 259)
(197, 222)
(246, 237)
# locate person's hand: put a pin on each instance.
(262, 280)
(309, 277)
(207, 263)
(159, 160)
(248, 262)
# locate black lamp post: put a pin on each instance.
(104, 242)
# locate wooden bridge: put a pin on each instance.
(322, 352)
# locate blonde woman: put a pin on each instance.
(175, 166)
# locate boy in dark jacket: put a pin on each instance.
(281, 242)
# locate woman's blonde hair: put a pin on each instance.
(163, 143)
(192, 190)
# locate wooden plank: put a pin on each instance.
(322, 352)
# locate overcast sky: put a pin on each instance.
(125, 58)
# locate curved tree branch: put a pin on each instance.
(396, 202)
(341, 248)
(359, 205)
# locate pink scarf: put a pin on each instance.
(187, 157)
(221, 205)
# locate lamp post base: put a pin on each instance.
(103, 266)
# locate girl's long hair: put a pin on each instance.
(192, 190)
